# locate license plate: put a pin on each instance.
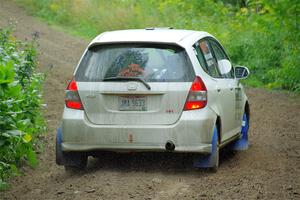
(132, 103)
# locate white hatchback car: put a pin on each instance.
(153, 90)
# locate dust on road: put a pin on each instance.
(268, 170)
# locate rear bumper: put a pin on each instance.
(191, 133)
(202, 148)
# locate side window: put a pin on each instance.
(206, 58)
(200, 56)
(220, 55)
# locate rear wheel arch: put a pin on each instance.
(217, 122)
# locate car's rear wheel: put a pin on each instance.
(59, 158)
(242, 142)
(210, 161)
(75, 161)
(215, 151)
(245, 126)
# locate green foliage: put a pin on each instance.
(21, 120)
(261, 34)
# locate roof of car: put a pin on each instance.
(159, 35)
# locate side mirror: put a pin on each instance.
(241, 72)
(224, 66)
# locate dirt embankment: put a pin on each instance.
(268, 170)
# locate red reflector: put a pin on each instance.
(73, 104)
(194, 105)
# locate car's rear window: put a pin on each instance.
(151, 62)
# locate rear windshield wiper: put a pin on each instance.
(121, 78)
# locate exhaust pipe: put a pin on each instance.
(170, 146)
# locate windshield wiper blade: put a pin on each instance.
(120, 78)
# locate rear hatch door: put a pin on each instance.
(134, 84)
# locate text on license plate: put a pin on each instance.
(133, 103)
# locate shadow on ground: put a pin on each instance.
(151, 162)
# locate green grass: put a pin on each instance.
(260, 34)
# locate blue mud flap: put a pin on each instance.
(58, 150)
(211, 159)
(242, 143)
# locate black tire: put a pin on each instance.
(59, 158)
(75, 161)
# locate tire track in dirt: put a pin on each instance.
(268, 170)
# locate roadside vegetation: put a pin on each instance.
(260, 34)
(21, 120)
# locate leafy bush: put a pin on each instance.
(21, 119)
(261, 34)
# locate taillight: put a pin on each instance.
(72, 97)
(197, 97)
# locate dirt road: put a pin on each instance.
(270, 169)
